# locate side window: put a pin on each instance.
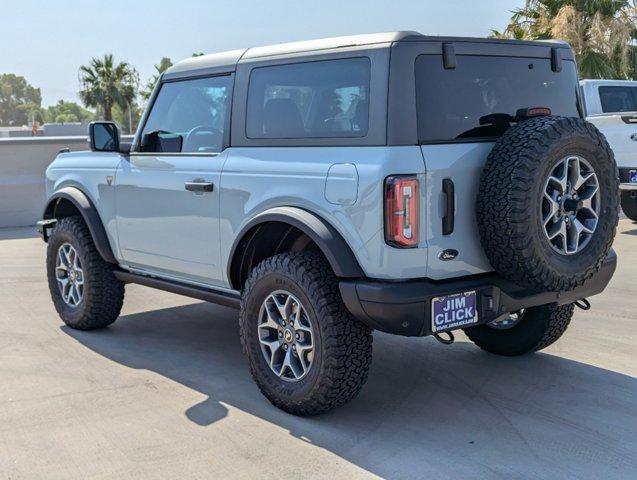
(309, 100)
(618, 99)
(188, 116)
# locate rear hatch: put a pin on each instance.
(455, 93)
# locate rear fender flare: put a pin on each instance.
(330, 242)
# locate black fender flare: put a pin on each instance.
(89, 214)
(335, 249)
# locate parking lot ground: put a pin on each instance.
(165, 393)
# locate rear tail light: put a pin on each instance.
(402, 202)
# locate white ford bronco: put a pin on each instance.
(409, 184)
(611, 105)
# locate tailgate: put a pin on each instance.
(462, 163)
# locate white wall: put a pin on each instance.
(22, 165)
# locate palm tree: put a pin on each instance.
(160, 68)
(601, 32)
(103, 84)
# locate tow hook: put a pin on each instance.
(445, 341)
(583, 304)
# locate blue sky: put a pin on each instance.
(47, 40)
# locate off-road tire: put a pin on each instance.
(538, 328)
(343, 345)
(629, 205)
(103, 293)
(510, 195)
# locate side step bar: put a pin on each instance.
(219, 297)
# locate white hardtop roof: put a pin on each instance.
(231, 58)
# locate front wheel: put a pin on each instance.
(84, 289)
(306, 352)
(523, 332)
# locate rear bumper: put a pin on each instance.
(404, 308)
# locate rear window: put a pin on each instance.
(316, 99)
(618, 99)
(452, 102)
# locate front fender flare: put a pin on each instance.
(335, 249)
(89, 214)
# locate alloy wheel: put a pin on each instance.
(69, 275)
(286, 336)
(570, 205)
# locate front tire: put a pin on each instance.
(83, 288)
(535, 329)
(305, 351)
(629, 205)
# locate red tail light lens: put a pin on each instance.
(402, 206)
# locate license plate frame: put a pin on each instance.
(457, 310)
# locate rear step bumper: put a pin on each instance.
(404, 308)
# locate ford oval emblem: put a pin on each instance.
(633, 137)
(448, 254)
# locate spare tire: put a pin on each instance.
(548, 203)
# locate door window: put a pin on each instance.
(309, 100)
(189, 116)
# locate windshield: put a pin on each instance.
(451, 102)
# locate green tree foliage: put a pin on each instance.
(160, 68)
(127, 120)
(67, 112)
(602, 33)
(104, 84)
(18, 100)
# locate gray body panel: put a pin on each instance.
(163, 227)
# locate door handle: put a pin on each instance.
(199, 185)
(448, 218)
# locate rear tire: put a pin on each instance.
(537, 328)
(341, 345)
(629, 205)
(100, 294)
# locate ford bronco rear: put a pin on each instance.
(410, 184)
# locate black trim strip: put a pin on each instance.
(207, 294)
(448, 220)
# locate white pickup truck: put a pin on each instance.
(611, 105)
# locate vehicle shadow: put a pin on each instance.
(427, 409)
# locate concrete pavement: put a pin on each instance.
(165, 393)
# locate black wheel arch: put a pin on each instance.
(69, 201)
(317, 230)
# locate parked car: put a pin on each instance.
(409, 184)
(611, 105)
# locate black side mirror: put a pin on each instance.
(103, 136)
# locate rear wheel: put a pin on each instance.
(306, 352)
(523, 332)
(84, 289)
(629, 205)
